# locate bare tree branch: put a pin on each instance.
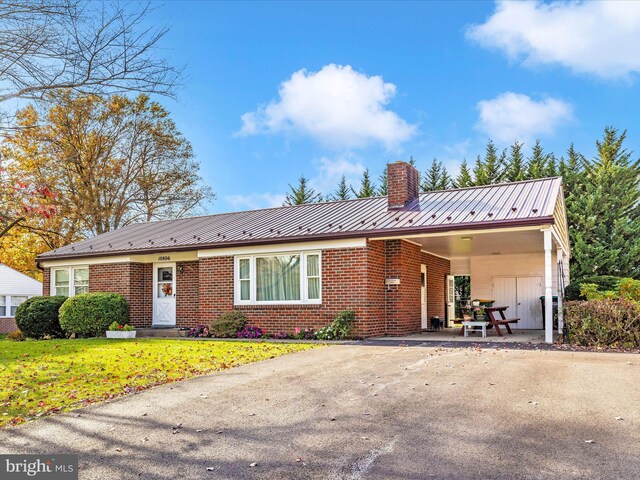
(87, 47)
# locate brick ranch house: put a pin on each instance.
(391, 259)
(15, 288)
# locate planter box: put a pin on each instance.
(121, 334)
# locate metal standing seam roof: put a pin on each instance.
(529, 202)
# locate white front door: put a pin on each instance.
(451, 300)
(423, 296)
(164, 294)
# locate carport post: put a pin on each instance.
(560, 261)
(548, 287)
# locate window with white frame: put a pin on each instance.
(69, 281)
(284, 278)
(9, 304)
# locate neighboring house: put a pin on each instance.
(391, 259)
(15, 288)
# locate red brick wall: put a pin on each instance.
(403, 300)
(46, 282)
(133, 280)
(344, 286)
(187, 293)
(7, 325)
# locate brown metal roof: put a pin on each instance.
(509, 204)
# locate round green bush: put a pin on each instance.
(228, 324)
(604, 282)
(37, 317)
(90, 314)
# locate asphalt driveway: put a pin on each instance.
(357, 411)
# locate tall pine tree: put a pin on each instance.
(342, 193)
(539, 162)
(490, 169)
(515, 168)
(436, 178)
(384, 182)
(464, 178)
(302, 193)
(367, 187)
(605, 217)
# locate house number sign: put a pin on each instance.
(164, 258)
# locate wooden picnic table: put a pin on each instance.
(496, 322)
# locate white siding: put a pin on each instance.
(13, 282)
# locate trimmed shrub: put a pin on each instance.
(604, 282)
(90, 314)
(228, 324)
(16, 336)
(37, 317)
(340, 328)
(604, 322)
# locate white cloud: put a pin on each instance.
(330, 171)
(514, 116)
(336, 106)
(253, 201)
(596, 37)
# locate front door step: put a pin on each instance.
(158, 332)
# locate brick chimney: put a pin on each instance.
(403, 184)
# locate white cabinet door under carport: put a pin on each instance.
(522, 296)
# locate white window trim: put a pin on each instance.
(9, 304)
(72, 287)
(304, 284)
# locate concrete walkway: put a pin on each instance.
(380, 412)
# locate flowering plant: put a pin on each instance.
(281, 335)
(200, 331)
(304, 334)
(251, 332)
(117, 327)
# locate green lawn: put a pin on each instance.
(40, 378)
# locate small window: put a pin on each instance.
(313, 277)
(61, 282)
(3, 306)
(15, 301)
(244, 275)
(80, 280)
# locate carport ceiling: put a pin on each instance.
(462, 245)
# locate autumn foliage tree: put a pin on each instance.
(108, 161)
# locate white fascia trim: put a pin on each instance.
(455, 232)
(83, 261)
(284, 247)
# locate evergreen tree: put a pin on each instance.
(515, 169)
(464, 178)
(412, 162)
(384, 182)
(367, 187)
(490, 169)
(302, 193)
(538, 164)
(342, 193)
(605, 218)
(436, 178)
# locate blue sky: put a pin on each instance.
(275, 90)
